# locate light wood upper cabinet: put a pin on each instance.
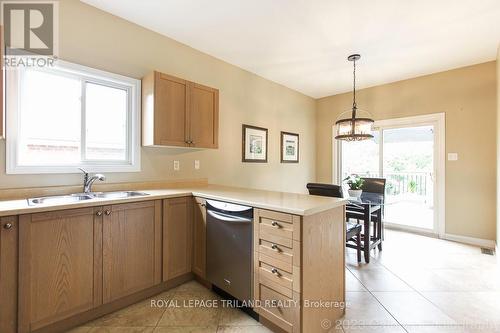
(199, 237)
(176, 112)
(131, 248)
(59, 266)
(165, 101)
(8, 273)
(204, 116)
(177, 237)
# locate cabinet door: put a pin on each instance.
(131, 248)
(199, 237)
(177, 237)
(170, 107)
(59, 265)
(8, 274)
(204, 116)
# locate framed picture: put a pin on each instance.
(254, 146)
(289, 147)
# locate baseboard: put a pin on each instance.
(496, 253)
(487, 243)
(416, 231)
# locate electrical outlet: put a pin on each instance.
(177, 166)
(197, 164)
(452, 156)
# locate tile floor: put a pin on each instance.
(416, 284)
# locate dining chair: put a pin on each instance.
(353, 231)
(373, 185)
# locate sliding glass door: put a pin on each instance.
(408, 167)
(405, 153)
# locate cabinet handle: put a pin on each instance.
(275, 247)
(7, 226)
(98, 213)
(275, 272)
(107, 212)
(275, 224)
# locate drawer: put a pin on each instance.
(277, 224)
(273, 272)
(281, 310)
(274, 247)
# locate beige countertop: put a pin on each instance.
(293, 203)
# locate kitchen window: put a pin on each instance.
(70, 116)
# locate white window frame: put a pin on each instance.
(87, 75)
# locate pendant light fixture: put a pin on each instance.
(354, 128)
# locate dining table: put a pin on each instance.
(368, 208)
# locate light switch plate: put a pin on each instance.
(197, 164)
(452, 156)
(177, 166)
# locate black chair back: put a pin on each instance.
(326, 190)
(374, 185)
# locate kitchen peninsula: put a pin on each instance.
(107, 253)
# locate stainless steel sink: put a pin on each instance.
(72, 198)
(59, 199)
(118, 195)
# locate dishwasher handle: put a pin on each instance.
(228, 218)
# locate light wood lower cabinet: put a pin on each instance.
(199, 237)
(299, 268)
(8, 273)
(131, 248)
(59, 265)
(177, 237)
(72, 261)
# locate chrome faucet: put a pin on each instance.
(88, 181)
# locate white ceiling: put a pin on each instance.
(303, 44)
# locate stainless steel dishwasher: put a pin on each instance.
(229, 248)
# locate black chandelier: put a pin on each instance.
(354, 128)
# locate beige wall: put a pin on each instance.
(94, 38)
(468, 98)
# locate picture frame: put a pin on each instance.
(289, 147)
(254, 144)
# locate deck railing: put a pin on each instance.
(404, 182)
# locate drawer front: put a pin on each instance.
(280, 305)
(275, 271)
(276, 228)
(276, 251)
(275, 224)
(277, 239)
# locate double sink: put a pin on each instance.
(72, 198)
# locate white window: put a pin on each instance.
(70, 116)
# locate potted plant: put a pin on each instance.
(355, 184)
